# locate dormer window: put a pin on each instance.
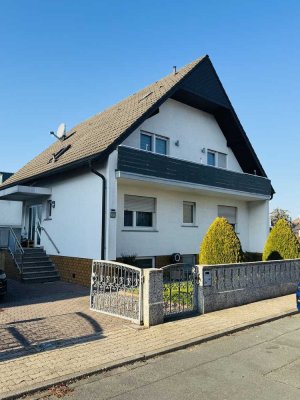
(154, 143)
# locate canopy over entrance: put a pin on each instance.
(21, 193)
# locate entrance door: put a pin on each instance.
(34, 229)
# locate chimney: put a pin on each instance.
(174, 70)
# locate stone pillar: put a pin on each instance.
(200, 294)
(153, 308)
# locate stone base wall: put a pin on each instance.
(73, 269)
(231, 285)
(8, 265)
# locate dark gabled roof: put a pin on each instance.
(5, 175)
(196, 84)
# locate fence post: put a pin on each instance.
(153, 306)
(200, 291)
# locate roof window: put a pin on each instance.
(145, 96)
(58, 154)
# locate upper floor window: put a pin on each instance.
(155, 143)
(139, 211)
(216, 159)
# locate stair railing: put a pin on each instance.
(15, 249)
(40, 228)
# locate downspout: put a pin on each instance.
(103, 231)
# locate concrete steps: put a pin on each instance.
(37, 266)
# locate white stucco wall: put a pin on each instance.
(193, 128)
(258, 224)
(10, 213)
(170, 236)
(75, 224)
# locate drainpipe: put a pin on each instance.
(103, 231)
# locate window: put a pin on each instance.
(154, 143)
(188, 259)
(48, 209)
(146, 262)
(211, 158)
(189, 212)
(160, 145)
(139, 211)
(146, 142)
(229, 213)
(222, 160)
(216, 159)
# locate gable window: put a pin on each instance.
(211, 158)
(189, 211)
(160, 145)
(146, 142)
(139, 211)
(216, 159)
(230, 213)
(154, 143)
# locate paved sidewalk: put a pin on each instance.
(126, 343)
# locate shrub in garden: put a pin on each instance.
(220, 245)
(281, 243)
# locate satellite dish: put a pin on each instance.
(61, 131)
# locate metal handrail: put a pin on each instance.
(18, 245)
(48, 236)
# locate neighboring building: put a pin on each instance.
(296, 227)
(168, 160)
(10, 213)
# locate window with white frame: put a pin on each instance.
(216, 159)
(155, 143)
(189, 213)
(139, 211)
(230, 213)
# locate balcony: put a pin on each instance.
(135, 162)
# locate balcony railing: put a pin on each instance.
(149, 164)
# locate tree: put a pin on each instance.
(220, 245)
(278, 214)
(281, 243)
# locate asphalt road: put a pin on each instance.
(258, 363)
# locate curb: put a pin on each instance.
(141, 357)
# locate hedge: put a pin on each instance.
(220, 245)
(281, 243)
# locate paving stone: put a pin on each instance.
(60, 336)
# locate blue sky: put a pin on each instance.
(66, 60)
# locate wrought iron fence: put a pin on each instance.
(116, 289)
(179, 293)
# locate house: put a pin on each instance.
(146, 177)
(296, 227)
(10, 214)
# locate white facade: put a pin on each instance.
(194, 130)
(169, 235)
(10, 213)
(75, 223)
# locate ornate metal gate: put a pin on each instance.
(179, 293)
(116, 289)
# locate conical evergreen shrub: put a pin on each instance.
(220, 245)
(281, 243)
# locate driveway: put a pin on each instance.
(39, 317)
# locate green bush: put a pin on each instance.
(220, 245)
(281, 244)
